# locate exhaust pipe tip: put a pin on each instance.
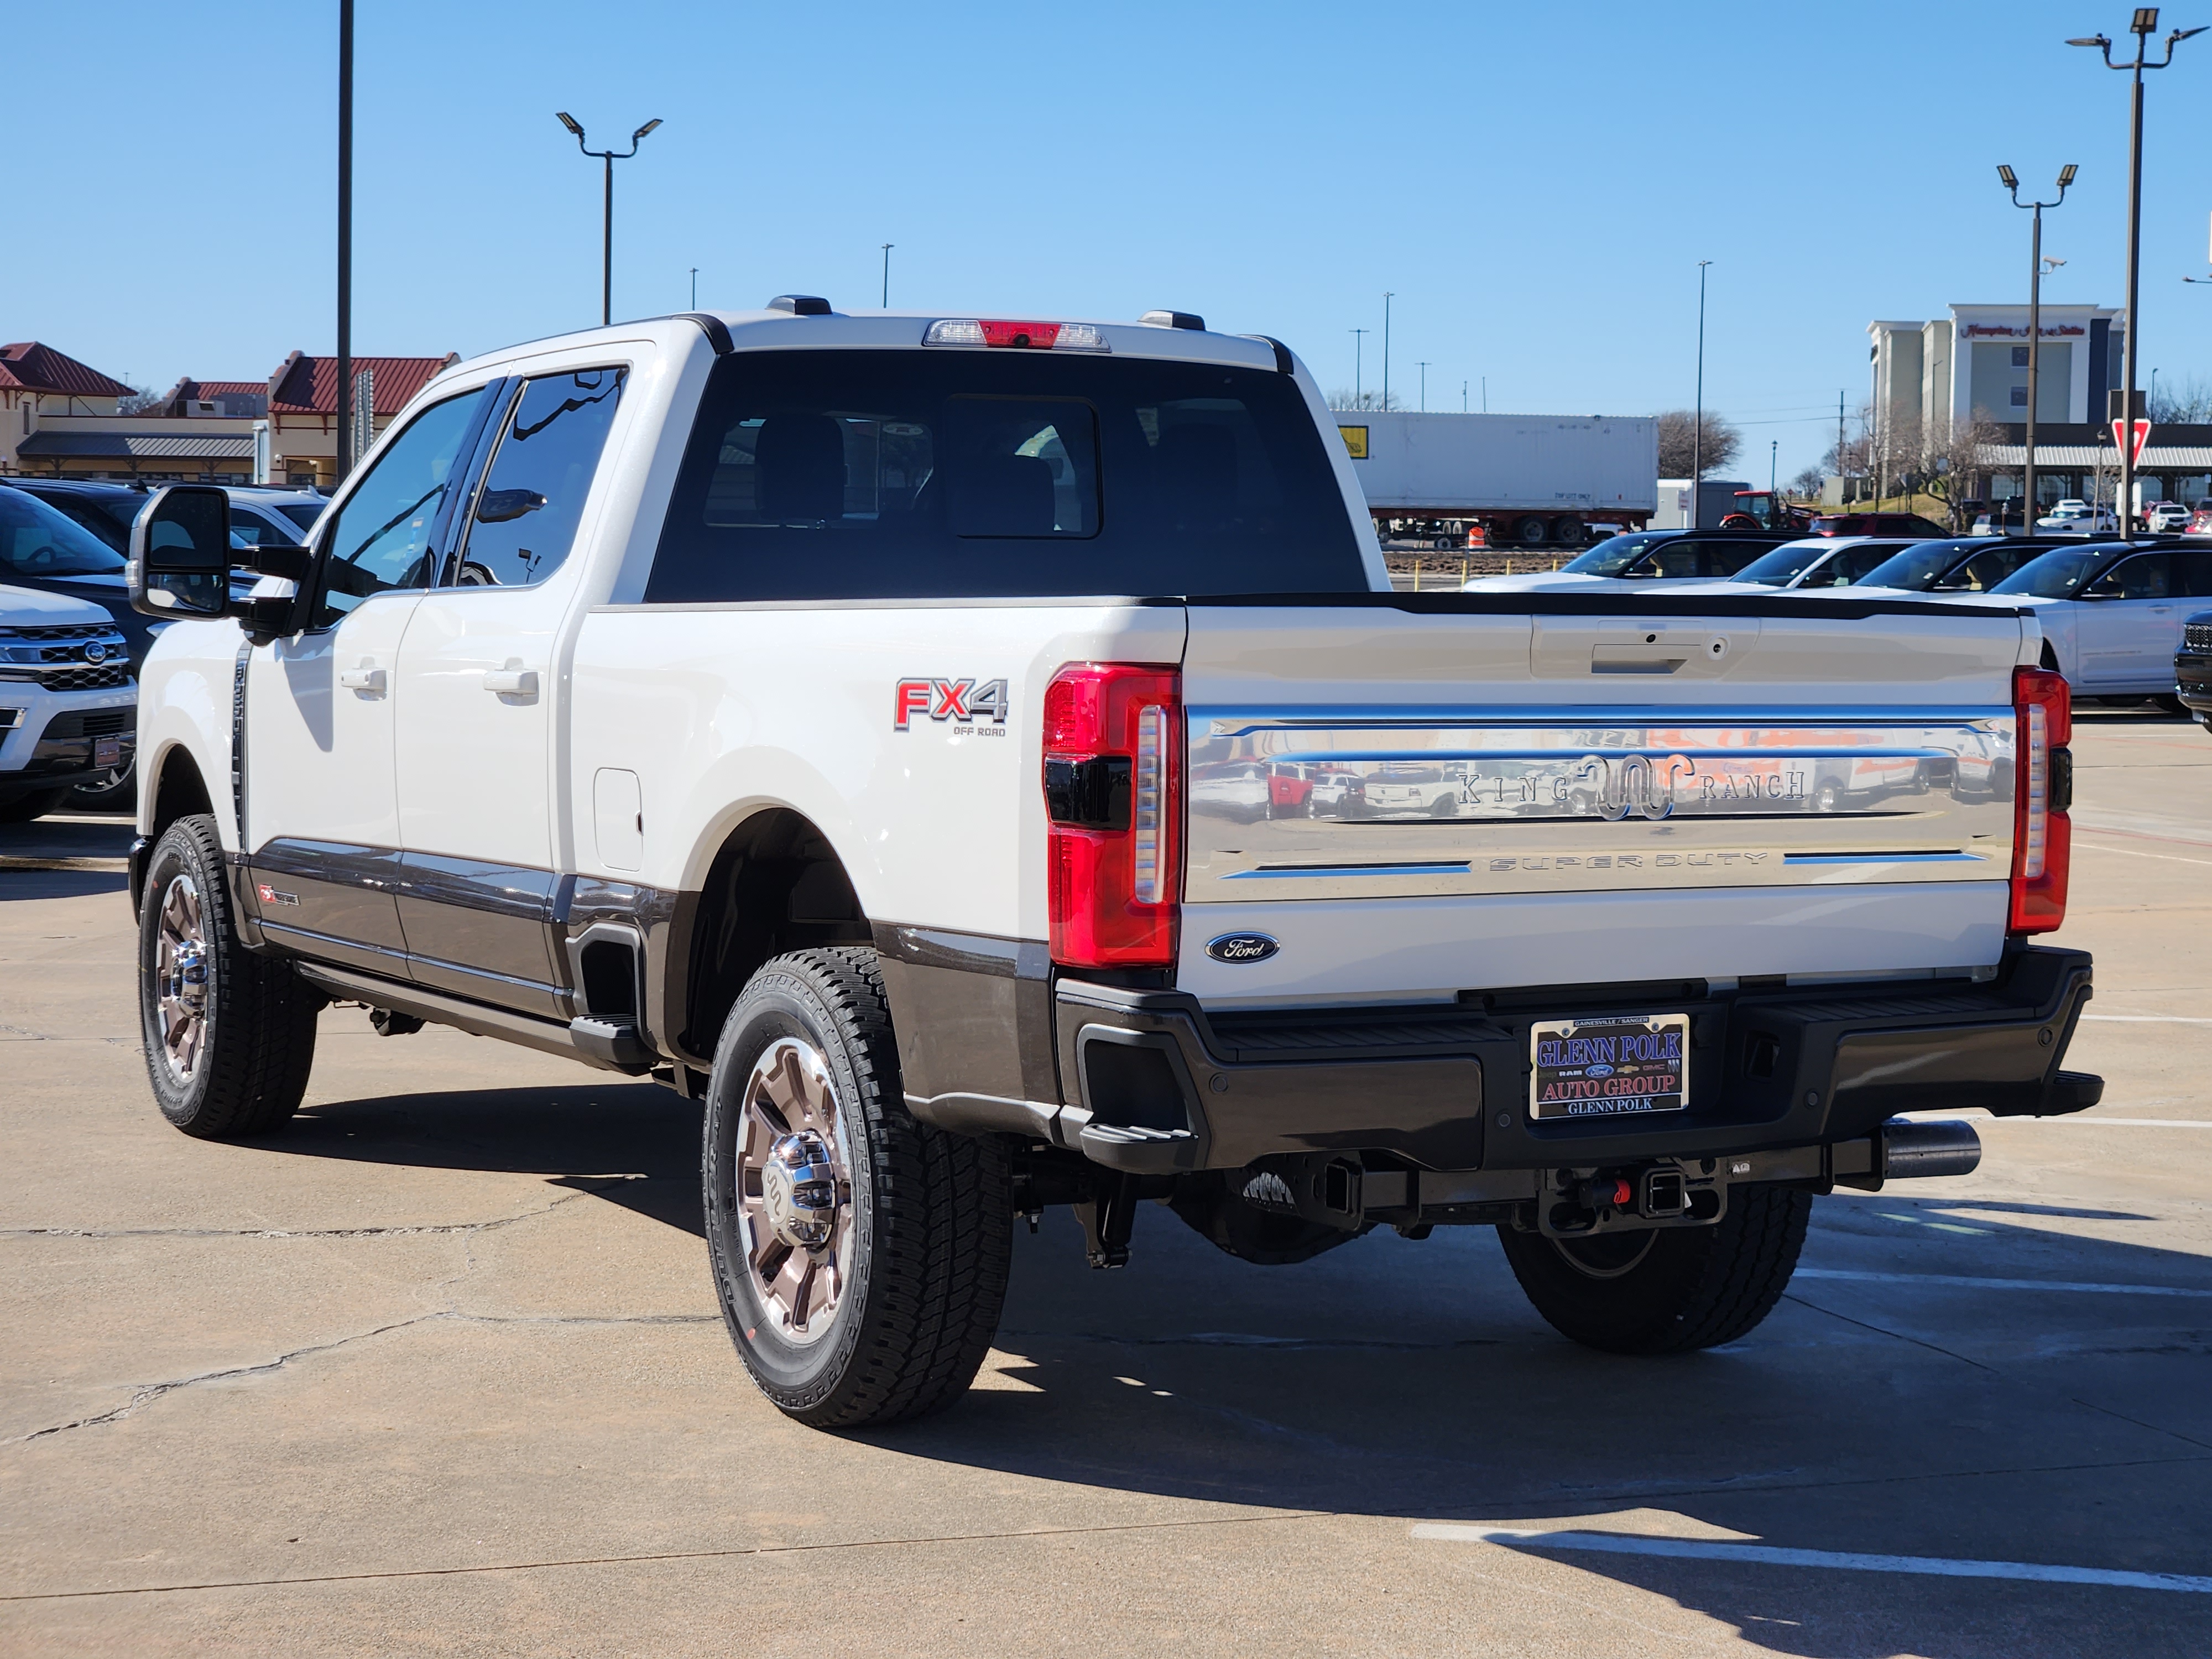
(1912, 1149)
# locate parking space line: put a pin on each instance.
(2137, 852)
(1969, 1282)
(1836, 1560)
(2150, 1019)
(2124, 1122)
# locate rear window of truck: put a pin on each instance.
(960, 474)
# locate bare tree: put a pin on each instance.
(2187, 405)
(140, 402)
(1949, 464)
(1808, 484)
(1678, 447)
(1345, 399)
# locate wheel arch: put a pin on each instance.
(172, 789)
(773, 883)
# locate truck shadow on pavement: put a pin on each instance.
(1410, 1381)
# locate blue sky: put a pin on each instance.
(1536, 184)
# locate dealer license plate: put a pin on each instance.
(1609, 1065)
(107, 751)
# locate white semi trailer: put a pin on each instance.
(1526, 480)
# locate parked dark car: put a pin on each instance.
(1967, 564)
(2192, 668)
(257, 517)
(1875, 523)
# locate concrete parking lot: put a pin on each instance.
(439, 1370)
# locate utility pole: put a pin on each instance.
(2011, 182)
(341, 457)
(1843, 468)
(1698, 427)
(1462, 397)
(1385, 351)
(694, 287)
(887, 274)
(2143, 27)
(1425, 385)
(1359, 398)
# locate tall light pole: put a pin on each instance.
(694, 287)
(1773, 460)
(1425, 386)
(607, 219)
(1386, 350)
(888, 246)
(2011, 182)
(1698, 423)
(2143, 25)
(1359, 398)
(341, 457)
(1462, 397)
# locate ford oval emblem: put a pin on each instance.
(95, 652)
(1242, 947)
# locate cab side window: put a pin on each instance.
(2145, 576)
(2192, 574)
(1725, 558)
(380, 539)
(532, 497)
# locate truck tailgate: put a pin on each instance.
(1414, 798)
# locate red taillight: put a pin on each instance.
(1113, 789)
(2042, 833)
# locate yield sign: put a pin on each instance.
(2143, 437)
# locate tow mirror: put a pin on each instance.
(181, 553)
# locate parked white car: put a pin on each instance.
(2166, 518)
(2077, 515)
(2111, 614)
(1821, 562)
(63, 722)
(259, 517)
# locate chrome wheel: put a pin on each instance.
(180, 976)
(794, 1189)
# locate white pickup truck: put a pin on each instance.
(802, 708)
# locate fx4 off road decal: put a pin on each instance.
(963, 702)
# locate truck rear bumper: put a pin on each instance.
(1156, 1085)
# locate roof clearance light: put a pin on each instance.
(1017, 334)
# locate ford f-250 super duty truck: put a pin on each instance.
(820, 713)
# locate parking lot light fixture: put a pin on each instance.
(2143, 27)
(607, 219)
(1698, 416)
(2011, 181)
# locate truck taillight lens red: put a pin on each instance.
(2043, 834)
(1113, 791)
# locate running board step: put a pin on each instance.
(479, 1019)
(612, 1042)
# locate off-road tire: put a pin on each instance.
(1696, 1287)
(931, 1211)
(259, 1042)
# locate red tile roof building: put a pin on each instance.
(60, 416)
(29, 366)
(309, 386)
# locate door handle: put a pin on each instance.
(367, 677)
(511, 681)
